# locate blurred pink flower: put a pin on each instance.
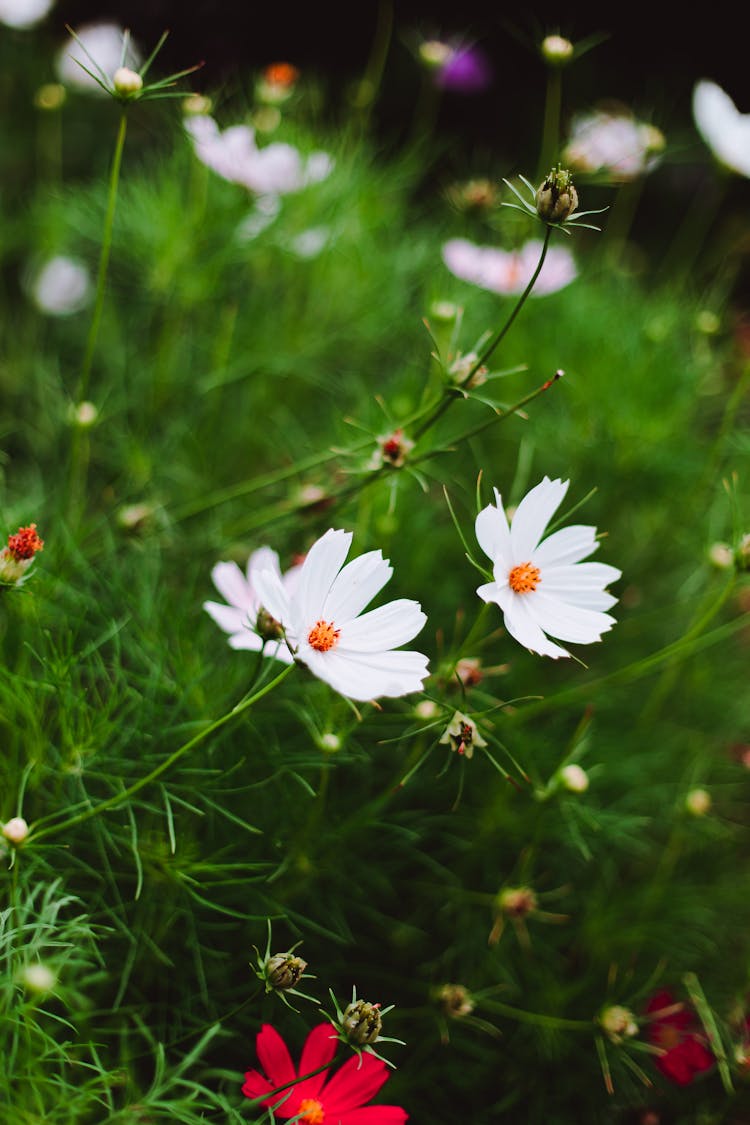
(466, 70)
(614, 143)
(509, 271)
(276, 169)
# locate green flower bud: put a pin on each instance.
(557, 198)
(557, 50)
(362, 1023)
(617, 1023)
(126, 81)
(267, 627)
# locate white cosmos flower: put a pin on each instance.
(355, 653)
(541, 585)
(61, 287)
(276, 169)
(725, 130)
(23, 13)
(509, 271)
(239, 616)
(614, 143)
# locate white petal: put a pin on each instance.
(355, 587)
(725, 130)
(520, 625)
(588, 575)
(247, 640)
(274, 650)
(532, 516)
(263, 559)
(492, 532)
(371, 675)
(387, 627)
(498, 592)
(569, 545)
(227, 617)
(273, 597)
(323, 562)
(567, 622)
(233, 586)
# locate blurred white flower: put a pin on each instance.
(243, 617)
(38, 978)
(276, 169)
(509, 271)
(614, 143)
(725, 130)
(61, 287)
(355, 653)
(101, 45)
(543, 587)
(310, 242)
(23, 13)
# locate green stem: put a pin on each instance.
(180, 752)
(101, 278)
(449, 394)
(537, 1018)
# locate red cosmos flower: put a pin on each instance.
(321, 1099)
(676, 1031)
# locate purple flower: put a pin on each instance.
(467, 71)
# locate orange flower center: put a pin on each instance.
(281, 74)
(322, 637)
(524, 578)
(667, 1036)
(312, 1111)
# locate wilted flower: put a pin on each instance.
(276, 169)
(674, 1030)
(355, 653)
(61, 287)
(23, 14)
(97, 45)
(16, 830)
(613, 143)
(725, 130)
(617, 1023)
(508, 272)
(462, 735)
(542, 586)
(17, 557)
(249, 624)
(320, 1098)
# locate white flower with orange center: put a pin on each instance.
(249, 625)
(542, 586)
(355, 652)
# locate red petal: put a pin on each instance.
(374, 1115)
(697, 1056)
(256, 1086)
(358, 1080)
(274, 1056)
(675, 1067)
(319, 1049)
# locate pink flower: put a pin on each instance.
(509, 271)
(321, 1099)
(675, 1030)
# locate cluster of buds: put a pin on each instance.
(617, 1023)
(462, 735)
(17, 557)
(556, 198)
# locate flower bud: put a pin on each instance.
(617, 1023)
(284, 970)
(197, 105)
(469, 671)
(557, 50)
(16, 830)
(38, 979)
(50, 96)
(267, 627)
(743, 552)
(517, 902)
(461, 368)
(462, 735)
(574, 778)
(362, 1023)
(444, 312)
(721, 556)
(434, 54)
(698, 802)
(426, 709)
(126, 81)
(83, 415)
(557, 198)
(454, 1000)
